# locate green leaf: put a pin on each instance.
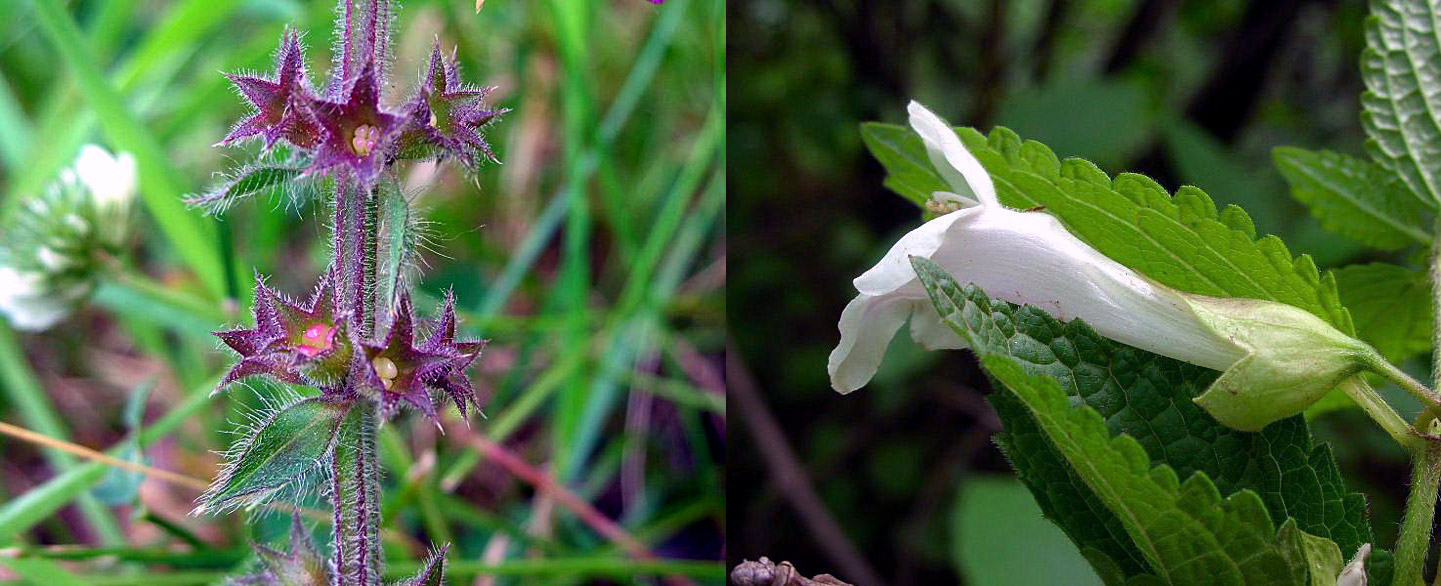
(1391, 306)
(999, 537)
(243, 183)
(908, 168)
(1181, 241)
(1187, 533)
(278, 455)
(400, 241)
(1402, 92)
(122, 486)
(1106, 120)
(1320, 555)
(1355, 198)
(432, 573)
(1147, 399)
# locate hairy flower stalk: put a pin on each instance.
(1275, 359)
(367, 362)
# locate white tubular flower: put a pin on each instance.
(1029, 258)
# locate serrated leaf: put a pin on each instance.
(1391, 306)
(1147, 398)
(1355, 198)
(1401, 66)
(245, 182)
(1187, 533)
(908, 170)
(282, 451)
(1182, 242)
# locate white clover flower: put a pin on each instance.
(54, 248)
(111, 181)
(28, 302)
(110, 178)
(1029, 258)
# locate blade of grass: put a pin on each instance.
(572, 287)
(92, 455)
(601, 395)
(15, 130)
(29, 398)
(191, 235)
(510, 419)
(615, 119)
(41, 571)
(21, 513)
(65, 124)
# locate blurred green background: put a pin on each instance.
(593, 259)
(1186, 91)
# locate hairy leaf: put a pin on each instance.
(277, 455)
(1148, 399)
(297, 563)
(397, 224)
(1402, 69)
(1182, 241)
(432, 573)
(1391, 306)
(243, 183)
(1355, 198)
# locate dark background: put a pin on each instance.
(1188, 92)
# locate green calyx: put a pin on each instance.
(1293, 358)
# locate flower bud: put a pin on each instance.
(1354, 574)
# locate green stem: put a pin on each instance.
(1384, 368)
(1415, 539)
(1416, 527)
(1359, 391)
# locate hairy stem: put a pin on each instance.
(1415, 539)
(1371, 402)
(370, 228)
(348, 268)
(1384, 368)
(355, 494)
(354, 463)
(1417, 525)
